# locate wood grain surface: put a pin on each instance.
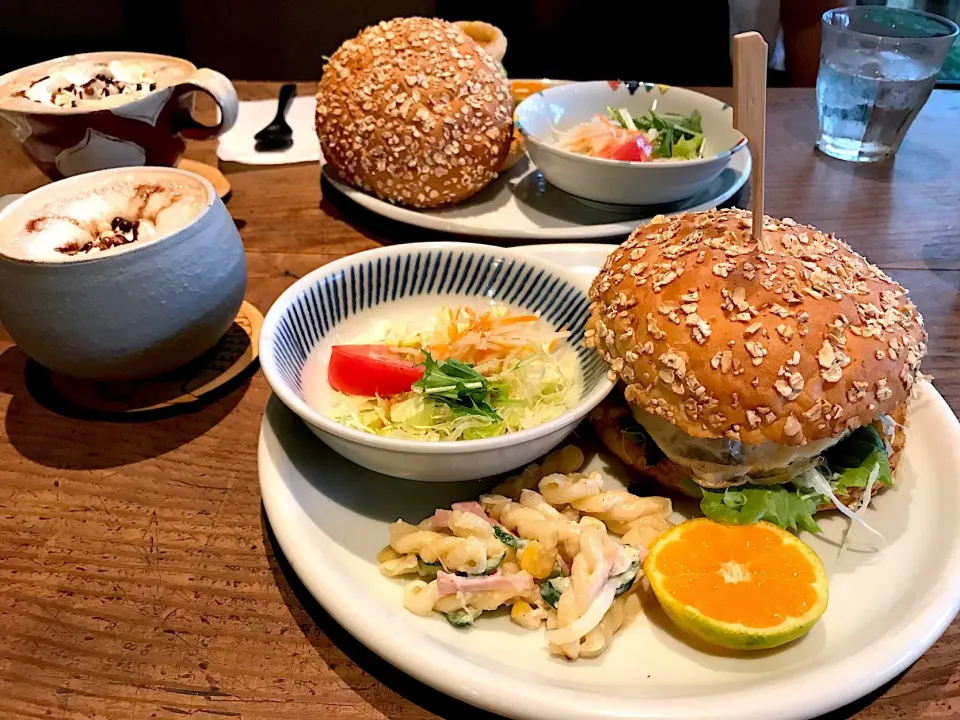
(138, 578)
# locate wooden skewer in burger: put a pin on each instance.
(764, 366)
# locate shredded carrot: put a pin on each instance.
(493, 337)
(513, 319)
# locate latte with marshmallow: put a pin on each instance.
(100, 219)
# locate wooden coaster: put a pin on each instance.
(7, 199)
(209, 172)
(236, 351)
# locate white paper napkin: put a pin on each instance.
(237, 145)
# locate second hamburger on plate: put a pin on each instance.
(768, 379)
(415, 112)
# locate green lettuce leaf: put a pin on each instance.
(688, 148)
(853, 458)
(691, 123)
(792, 507)
(782, 505)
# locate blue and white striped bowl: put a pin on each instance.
(345, 296)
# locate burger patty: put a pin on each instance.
(719, 463)
(609, 420)
(613, 418)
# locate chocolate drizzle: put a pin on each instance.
(99, 86)
(121, 230)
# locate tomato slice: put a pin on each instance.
(370, 370)
(636, 149)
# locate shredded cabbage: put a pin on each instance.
(813, 479)
(540, 389)
(868, 491)
(864, 504)
(889, 431)
(534, 364)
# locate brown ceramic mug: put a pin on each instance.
(149, 126)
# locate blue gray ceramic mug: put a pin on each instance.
(94, 292)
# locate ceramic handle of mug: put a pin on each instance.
(224, 94)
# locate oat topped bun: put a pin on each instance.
(414, 111)
(792, 341)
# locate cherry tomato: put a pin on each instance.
(635, 150)
(370, 370)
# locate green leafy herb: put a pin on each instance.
(557, 569)
(782, 505)
(459, 386)
(853, 458)
(627, 577)
(463, 617)
(551, 590)
(622, 117)
(428, 570)
(663, 145)
(508, 538)
(678, 136)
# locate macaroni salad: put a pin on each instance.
(550, 543)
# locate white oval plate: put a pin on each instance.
(330, 518)
(521, 205)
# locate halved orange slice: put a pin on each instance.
(747, 587)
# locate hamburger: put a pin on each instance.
(768, 379)
(414, 111)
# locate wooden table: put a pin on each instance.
(138, 577)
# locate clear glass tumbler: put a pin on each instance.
(877, 68)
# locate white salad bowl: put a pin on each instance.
(336, 302)
(545, 116)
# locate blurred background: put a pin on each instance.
(668, 42)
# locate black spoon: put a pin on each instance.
(277, 135)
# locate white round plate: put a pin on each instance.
(521, 205)
(886, 608)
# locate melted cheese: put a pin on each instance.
(722, 462)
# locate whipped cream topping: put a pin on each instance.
(84, 82)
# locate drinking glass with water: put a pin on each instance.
(877, 68)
